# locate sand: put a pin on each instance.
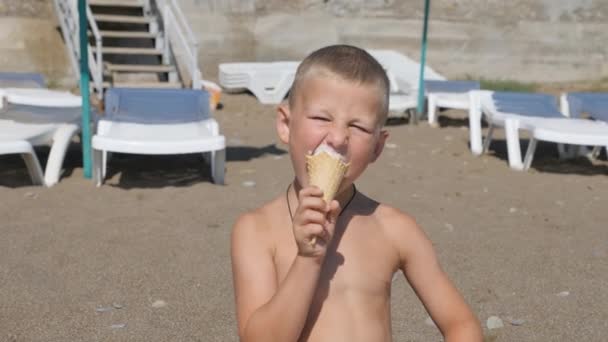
(146, 256)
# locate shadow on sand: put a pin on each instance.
(546, 159)
(143, 171)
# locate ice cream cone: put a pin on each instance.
(326, 172)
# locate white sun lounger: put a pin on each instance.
(34, 117)
(404, 73)
(536, 113)
(580, 104)
(157, 122)
(447, 94)
(269, 82)
(21, 80)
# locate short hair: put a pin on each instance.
(349, 63)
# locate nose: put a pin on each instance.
(337, 138)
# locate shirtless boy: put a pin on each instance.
(337, 288)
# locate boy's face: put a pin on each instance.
(339, 113)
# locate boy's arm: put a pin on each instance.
(441, 299)
(266, 310)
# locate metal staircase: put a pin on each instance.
(133, 43)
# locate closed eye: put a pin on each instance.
(361, 128)
(321, 118)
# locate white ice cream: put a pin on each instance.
(329, 150)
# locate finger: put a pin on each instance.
(312, 232)
(309, 191)
(311, 217)
(313, 203)
(333, 211)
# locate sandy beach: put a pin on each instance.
(146, 256)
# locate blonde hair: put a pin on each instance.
(348, 62)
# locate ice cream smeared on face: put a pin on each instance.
(326, 169)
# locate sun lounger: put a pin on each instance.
(586, 104)
(404, 74)
(536, 113)
(21, 80)
(158, 122)
(269, 82)
(594, 105)
(34, 117)
(447, 94)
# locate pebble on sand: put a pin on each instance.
(159, 304)
(563, 294)
(118, 326)
(494, 322)
(516, 321)
(390, 145)
(249, 184)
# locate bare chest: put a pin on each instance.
(360, 262)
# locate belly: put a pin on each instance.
(349, 316)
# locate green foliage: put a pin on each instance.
(508, 85)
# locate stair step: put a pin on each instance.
(140, 68)
(115, 3)
(128, 51)
(128, 19)
(126, 34)
(172, 85)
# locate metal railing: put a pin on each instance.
(180, 42)
(67, 12)
(180, 46)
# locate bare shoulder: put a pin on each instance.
(402, 230)
(256, 226)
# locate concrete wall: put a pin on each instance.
(30, 41)
(527, 40)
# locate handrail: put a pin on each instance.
(67, 12)
(61, 8)
(175, 23)
(97, 69)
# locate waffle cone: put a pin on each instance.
(326, 172)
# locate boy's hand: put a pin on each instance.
(314, 220)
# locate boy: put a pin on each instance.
(306, 270)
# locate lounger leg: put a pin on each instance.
(218, 159)
(488, 141)
(61, 141)
(33, 167)
(595, 153)
(432, 111)
(513, 147)
(562, 151)
(98, 160)
(105, 159)
(475, 124)
(530, 153)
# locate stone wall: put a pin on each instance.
(526, 40)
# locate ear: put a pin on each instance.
(282, 122)
(380, 144)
